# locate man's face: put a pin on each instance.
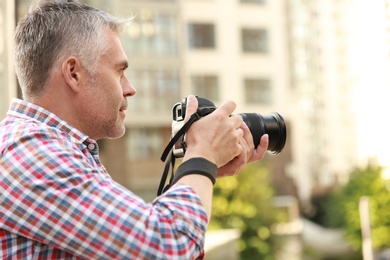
(106, 93)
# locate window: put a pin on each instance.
(152, 33)
(201, 36)
(144, 143)
(254, 40)
(258, 91)
(157, 89)
(205, 86)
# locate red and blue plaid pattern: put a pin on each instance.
(58, 202)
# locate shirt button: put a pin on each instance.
(91, 146)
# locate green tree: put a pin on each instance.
(244, 202)
(343, 207)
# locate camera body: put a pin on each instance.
(178, 148)
(272, 124)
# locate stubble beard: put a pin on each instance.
(110, 127)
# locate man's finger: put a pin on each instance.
(192, 106)
(227, 108)
(247, 136)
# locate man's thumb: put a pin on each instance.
(192, 107)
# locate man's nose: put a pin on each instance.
(128, 89)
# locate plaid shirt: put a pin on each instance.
(57, 201)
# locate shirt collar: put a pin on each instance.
(24, 109)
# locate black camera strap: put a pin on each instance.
(171, 161)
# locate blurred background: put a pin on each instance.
(322, 64)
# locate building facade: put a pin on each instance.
(371, 66)
(286, 56)
(238, 50)
(7, 75)
(324, 148)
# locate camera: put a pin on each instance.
(273, 124)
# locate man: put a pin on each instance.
(56, 199)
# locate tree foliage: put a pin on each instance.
(244, 202)
(343, 207)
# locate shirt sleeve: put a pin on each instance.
(51, 193)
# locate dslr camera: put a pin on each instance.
(273, 124)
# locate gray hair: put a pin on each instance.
(53, 30)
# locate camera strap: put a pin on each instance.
(171, 161)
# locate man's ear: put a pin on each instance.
(73, 73)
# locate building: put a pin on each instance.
(287, 56)
(387, 16)
(324, 148)
(238, 50)
(371, 65)
(7, 75)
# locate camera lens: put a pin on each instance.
(272, 124)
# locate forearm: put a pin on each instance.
(200, 174)
(203, 187)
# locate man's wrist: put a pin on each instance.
(197, 165)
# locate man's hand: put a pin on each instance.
(216, 137)
(222, 139)
(248, 155)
